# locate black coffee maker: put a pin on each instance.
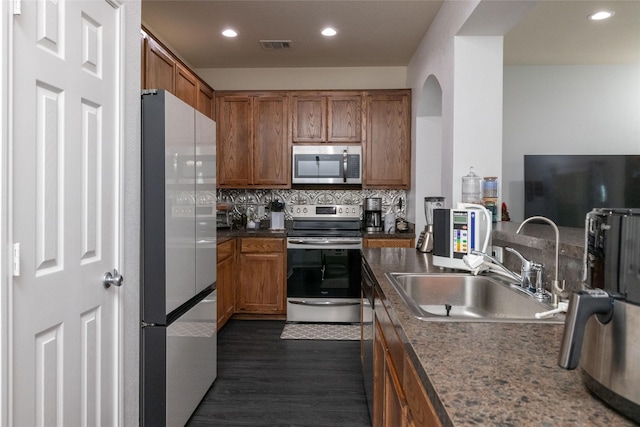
(373, 214)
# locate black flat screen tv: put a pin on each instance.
(565, 187)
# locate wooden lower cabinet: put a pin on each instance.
(261, 273)
(390, 410)
(399, 399)
(388, 243)
(226, 255)
(421, 409)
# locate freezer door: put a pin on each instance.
(153, 364)
(191, 360)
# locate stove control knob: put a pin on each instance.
(340, 210)
(304, 210)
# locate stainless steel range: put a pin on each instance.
(323, 263)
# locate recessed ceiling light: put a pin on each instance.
(600, 15)
(229, 33)
(329, 32)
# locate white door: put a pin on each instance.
(63, 344)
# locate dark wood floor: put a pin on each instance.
(265, 381)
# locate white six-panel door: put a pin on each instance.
(63, 344)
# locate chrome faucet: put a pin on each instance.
(557, 287)
(530, 275)
(531, 272)
(494, 261)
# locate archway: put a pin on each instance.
(427, 157)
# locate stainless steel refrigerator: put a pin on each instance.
(178, 298)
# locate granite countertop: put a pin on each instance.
(224, 234)
(488, 373)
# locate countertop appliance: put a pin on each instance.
(178, 299)
(223, 215)
(425, 241)
(458, 232)
(326, 164)
(373, 214)
(323, 264)
(602, 331)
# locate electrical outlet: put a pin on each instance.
(498, 253)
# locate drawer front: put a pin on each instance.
(389, 243)
(225, 249)
(257, 244)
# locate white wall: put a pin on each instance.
(427, 155)
(435, 56)
(463, 50)
(566, 110)
(321, 78)
(477, 127)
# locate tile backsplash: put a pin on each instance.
(254, 202)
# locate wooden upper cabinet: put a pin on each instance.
(205, 101)
(252, 143)
(235, 133)
(387, 147)
(309, 118)
(186, 84)
(271, 164)
(344, 118)
(333, 117)
(160, 68)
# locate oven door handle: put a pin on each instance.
(324, 242)
(324, 303)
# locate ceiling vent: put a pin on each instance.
(275, 44)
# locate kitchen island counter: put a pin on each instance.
(487, 373)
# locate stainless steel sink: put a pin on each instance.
(467, 298)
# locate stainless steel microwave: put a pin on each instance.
(327, 164)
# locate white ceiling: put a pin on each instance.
(380, 32)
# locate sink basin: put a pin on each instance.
(468, 298)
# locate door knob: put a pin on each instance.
(114, 279)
